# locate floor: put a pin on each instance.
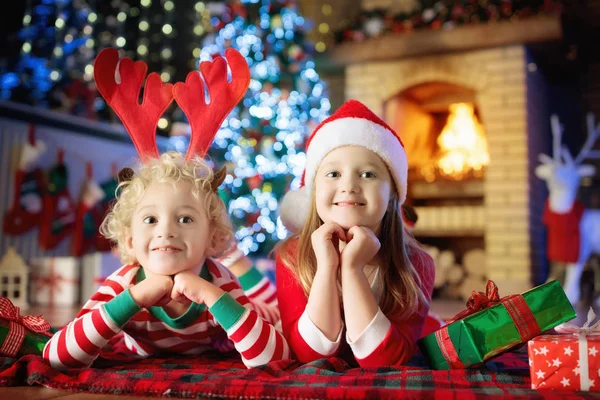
(445, 309)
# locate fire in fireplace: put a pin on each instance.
(462, 143)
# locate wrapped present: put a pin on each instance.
(21, 335)
(491, 325)
(54, 281)
(95, 268)
(569, 361)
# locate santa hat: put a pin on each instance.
(353, 124)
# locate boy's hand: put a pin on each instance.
(188, 286)
(155, 290)
(362, 247)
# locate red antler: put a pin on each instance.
(206, 118)
(140, 120)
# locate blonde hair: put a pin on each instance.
(402, 295)
(169, 167)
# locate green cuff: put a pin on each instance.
(122, 308)
(227, 311)
(250, 278)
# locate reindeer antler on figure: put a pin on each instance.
(206, 113)
(121, 86)
(573, 231)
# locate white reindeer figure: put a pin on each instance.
(563, 174)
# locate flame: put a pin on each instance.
(462, 142)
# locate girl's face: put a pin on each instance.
(169, 230)
(352, 187)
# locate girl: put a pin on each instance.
(171, 296)
(351, 266)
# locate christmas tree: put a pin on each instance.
(53, 56)
(262, 141)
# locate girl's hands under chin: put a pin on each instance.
(362, 246)
(325, 242)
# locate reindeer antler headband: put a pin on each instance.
(121, 88)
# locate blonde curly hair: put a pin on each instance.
(169, 167)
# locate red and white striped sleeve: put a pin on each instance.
(257, 341)
(79, 343)
(260, 292)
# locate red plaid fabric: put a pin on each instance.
(213, 375)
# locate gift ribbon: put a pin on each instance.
(52, 281)
(18, 323)
(516, 306)
(582, 332)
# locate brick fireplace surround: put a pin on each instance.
(509, 93)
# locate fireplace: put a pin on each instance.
(496, 208)
(448, 152)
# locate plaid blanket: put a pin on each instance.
(213, 375)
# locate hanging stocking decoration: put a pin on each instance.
(109, 188)
(86, 220)
(58, 218)
(26, 209)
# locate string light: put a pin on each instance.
(143, 28)
(201, 26)
(163, 123)
(165, 56)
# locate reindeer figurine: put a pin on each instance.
(573, 232)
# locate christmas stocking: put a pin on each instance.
(58, 217)
(26, 209)
(108, 188)
(86, 221)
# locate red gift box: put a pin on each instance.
(569, 361)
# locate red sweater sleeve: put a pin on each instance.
(400, 341)
(292, 303)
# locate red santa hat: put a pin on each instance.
(353, 124)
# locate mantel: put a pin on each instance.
(389, 47)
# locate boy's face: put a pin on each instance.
(352, 187)
(170, 230)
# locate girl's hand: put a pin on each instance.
(155, 290)
(362, 246)
(188, 286)
(325, 242)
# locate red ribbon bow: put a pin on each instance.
(480, 301)
(18, 323)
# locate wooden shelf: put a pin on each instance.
(538, 29)
(445, 189)
(67, 122)
(449, 233)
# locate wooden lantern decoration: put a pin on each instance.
(14, 275)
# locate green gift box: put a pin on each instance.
(21, 335)
(470, 340)
(33, 342)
